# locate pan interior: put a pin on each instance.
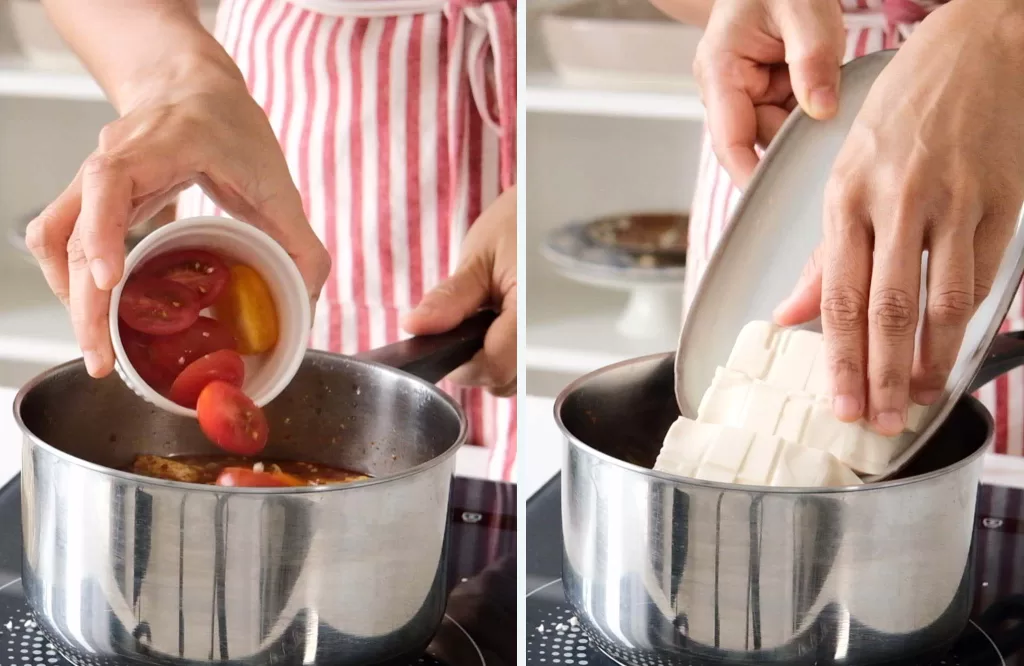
(625, 410)
(338, 411)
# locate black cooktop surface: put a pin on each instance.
(479, 627)
(994, 637)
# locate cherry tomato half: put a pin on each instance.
(243, 477)
(224, 365)
(180, 350)
(231, 420)
(247, 307)
(201, 271)
(157, 307)
(138, 347)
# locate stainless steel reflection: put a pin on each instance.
(664, 570)
(122, 568)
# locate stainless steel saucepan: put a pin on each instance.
(670, 571)
(121, 568)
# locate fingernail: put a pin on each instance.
(847, 408)
(823, 102)
(101, 274)
(93, 362)
(889, 422)
(927, 397)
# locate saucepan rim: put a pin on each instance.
(202, 487)
(748, 489)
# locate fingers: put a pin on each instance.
(948, 309)
(732, 122)
(47, 238)
(812, 33)
(89, 310)
(846, 279)
(106, 208)
(804, 304)
(495, 365)
(449, 303)
(892, 325)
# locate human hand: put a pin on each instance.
(932, 163)
(207, 131)
(486, 275)
(756, 60)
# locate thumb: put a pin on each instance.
(449, 303)
(814, 38)
(804, 303)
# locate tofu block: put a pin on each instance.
(714, 452)
(738, 401)
(794, 360)
(802, 466)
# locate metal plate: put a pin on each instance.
(773, 231)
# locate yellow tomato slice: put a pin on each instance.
(247, 308)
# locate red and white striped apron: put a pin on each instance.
(397, 119)
(871, 25)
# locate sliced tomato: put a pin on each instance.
(247, 307)
(137, 347)
(203, 272)
(224, 365)
(180, 350)
(157, 307)
(243, 477)
(231, 420)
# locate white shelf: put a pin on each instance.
(34, 326)
(21, 78)
(545, 93)
(570, 328)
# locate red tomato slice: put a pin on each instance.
(201, 271)
(243, 477)
(157, 307)
(231, 420)
(137, 347)
(225, 365)
(205, 336)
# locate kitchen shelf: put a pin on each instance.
(545, 93)
(570, 329)
(21, 78)
(34, 326)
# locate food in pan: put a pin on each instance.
(766, 420)
(727, 454)
(241, 471)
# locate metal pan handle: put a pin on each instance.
(1005, 354)
(433, 357)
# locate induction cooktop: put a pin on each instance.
(994, 636)
(479, 627)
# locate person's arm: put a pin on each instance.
(186, 117)
(691, 12)
(133, 47)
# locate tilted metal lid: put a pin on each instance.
(775, 228)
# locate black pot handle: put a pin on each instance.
(1005, 354)
(433, 357)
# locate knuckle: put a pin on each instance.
(844, 309)
(844, 364)
(100, 164)
(893, 312)
(950, 306)
(891, 378)
(109, 136)
(76, 252)
(39, 238)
